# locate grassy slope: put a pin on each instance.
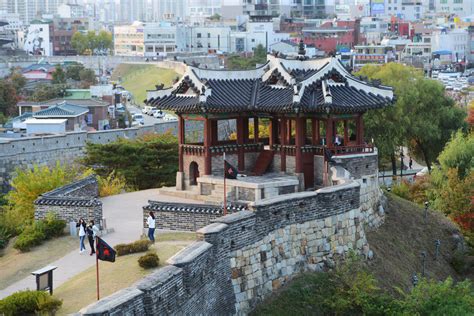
(137, 78)
(397, 246)
(80, 291)
(399, 242)
(16, 265)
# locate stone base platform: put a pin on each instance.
(246, 189)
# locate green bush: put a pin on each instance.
(5, 236)
(150, 260)
(401, 189)
(35, 233)
(136, 246)
(29, 302)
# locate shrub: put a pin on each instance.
(150, 260)
(35, 233)
(29, 238)
(402, 189)
(53, 227)
(4, 236)
(29, 302)
(111, 184)
(136, 246)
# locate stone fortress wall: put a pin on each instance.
(239, 259)
(66, 148)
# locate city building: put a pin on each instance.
(159, 39)
(200, 10)
(332, 36)
(29, 10)
(37, 39)
(69, 10)
(63, 30)
(372, 54)
(373, 29)
(129, 40)
(168, 10)
(203, 38)
(457, 7)
(408, 10)
(455, 41)
(133, 10)
(289, 47)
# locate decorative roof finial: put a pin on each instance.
(301, 46)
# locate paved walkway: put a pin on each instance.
(123, 213)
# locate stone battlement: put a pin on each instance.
(239, 259)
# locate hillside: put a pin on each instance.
(137, 78)
(397, 247)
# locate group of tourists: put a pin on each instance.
(91, 231)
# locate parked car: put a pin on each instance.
(138, 118)
(120, 108)
(146, 109)
(151, 110)
(159, 114)
(170, 118)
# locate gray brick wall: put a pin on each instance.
(234, 264)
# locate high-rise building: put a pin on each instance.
(458, 7)
(29, 10)
(168, 10)
(132, 10)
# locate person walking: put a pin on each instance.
(92, 232)
(82, 234)
(410, 163)
(151, 227)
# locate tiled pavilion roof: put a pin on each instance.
(279, 86)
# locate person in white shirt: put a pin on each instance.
(82, 234)
(151, 226)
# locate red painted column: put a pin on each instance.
(360, 130)
(240, 142)
(283, 141)
(299, 142)
(329, 132)
(181, 141)
(214, 132)
(255, 130)
(207, 145)
(273, 132)
(315, 130)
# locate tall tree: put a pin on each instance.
(79, 42)
(87, 77)
(92, 43)
(8, 98)
(73, 71)
(423, 118)
(59, 76)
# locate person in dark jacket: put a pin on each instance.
(82, 234)
(92, 232)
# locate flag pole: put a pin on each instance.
(225, 189)
(97, 264)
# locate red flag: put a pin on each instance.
(104, 251)
(230, 172)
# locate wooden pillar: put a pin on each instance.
(288, 132)
(346, 133)
(214, 132)
(329, 132)
(273, 132)
(240, 142)
(299, 142)
(255, 129)
(315, 128)
(207, 145)
(283, 141)
(181, 141)
(246, 129)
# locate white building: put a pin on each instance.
(458, 7)
(291, 48)
(45, 126)
(129, 40)
(257, 33)
(13, 20)
(373, 29)
(37, 40)
(71, 11)
(199, 10)
(233, 8)
(159, 39)
(456, 41)
(409, 10)
(29, 10)
(203, 38)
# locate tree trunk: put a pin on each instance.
(425, 156)
(394, 163)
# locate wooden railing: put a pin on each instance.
(198, 150)
(353, 149)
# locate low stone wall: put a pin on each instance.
(242, 257)
(71, 202)
(359, 165)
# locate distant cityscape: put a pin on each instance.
(418, 32)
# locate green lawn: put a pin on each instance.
(16, 265)
(80, 291)
(137, 78)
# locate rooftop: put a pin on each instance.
(62, 109)
(282, 85)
